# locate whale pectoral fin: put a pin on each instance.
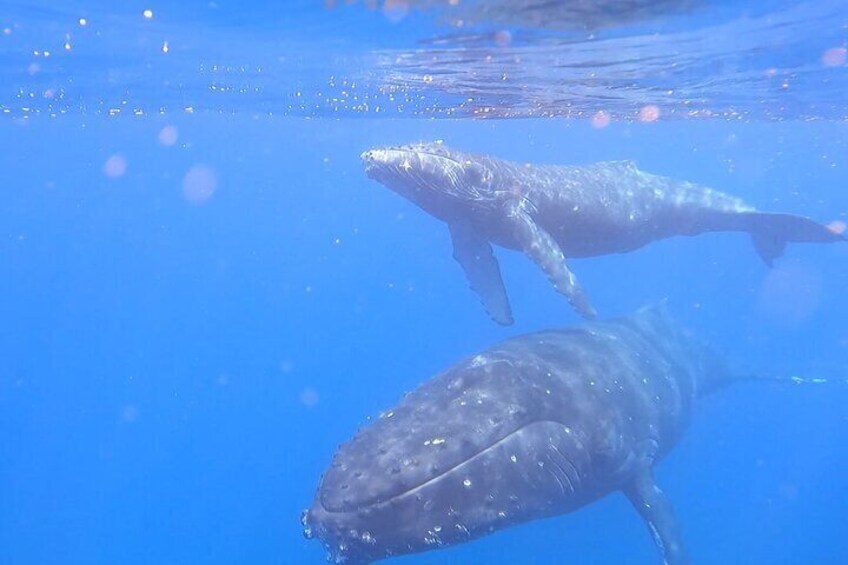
(655, 508)
(538, 244)
(477, 259)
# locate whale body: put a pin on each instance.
(552, 213)
(535, 426)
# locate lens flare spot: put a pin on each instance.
(600, 120)
(309, 397)
(834, 57)
(790, 294)
(395, 10)
(837, 226)
(115, 166)
(199, 184)
(503, 38)
(649, 113)
(168, 136)
(129, 414)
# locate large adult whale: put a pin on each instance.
(535, 426)
(554, 212)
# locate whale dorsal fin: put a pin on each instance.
(620, 165)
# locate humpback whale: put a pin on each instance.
(536, 426)
(551, 213)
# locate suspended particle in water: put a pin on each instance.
(148, 14)
(165, 47)
(199, 184)
(83, 22)
(115, 166)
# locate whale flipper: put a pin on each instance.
(481, 267)
(538, 244)
(655, 508)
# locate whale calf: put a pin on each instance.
(556, 212)
(536, 426)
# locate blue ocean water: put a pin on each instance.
(202, 295)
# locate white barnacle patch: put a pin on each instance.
(388, 414)
(513, 458)
(466, 483)
(435, 441)
(478, 360)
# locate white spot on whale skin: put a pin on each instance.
(466, 483)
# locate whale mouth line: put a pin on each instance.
(406, 150)
(482, 452)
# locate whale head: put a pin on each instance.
(455, 460)
(442, 181)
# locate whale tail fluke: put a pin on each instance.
(771, 232)
(729, 379)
